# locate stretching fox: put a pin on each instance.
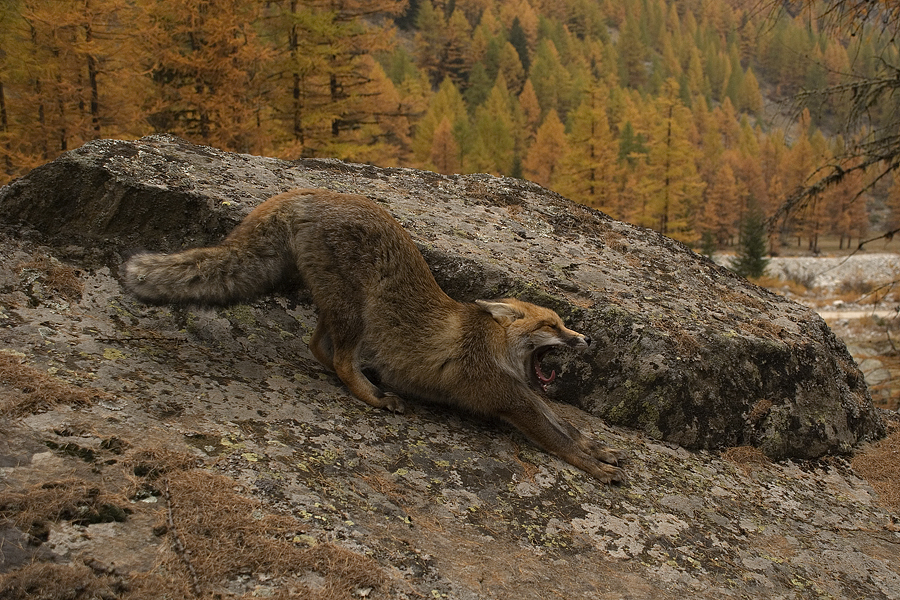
(379, 305)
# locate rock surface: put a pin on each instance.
(448, 506)
(687, 352)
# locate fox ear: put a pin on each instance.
(502, 312)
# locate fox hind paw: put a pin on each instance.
(391, 402)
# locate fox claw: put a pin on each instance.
(603, 453)
(392, 402)
(610, 456)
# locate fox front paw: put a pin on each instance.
(603, 453)
(608, 455)
(607, 473)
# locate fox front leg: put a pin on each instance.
(544, 428)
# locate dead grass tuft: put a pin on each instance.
(219, 540)
(225, 535)
(747, 458)
(150, 463)
(878, 464)
(45, 581)
(72, 500)
(54, 276)
(791, 286)
(35, 391)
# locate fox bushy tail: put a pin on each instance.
(219, 275)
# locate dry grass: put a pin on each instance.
(747, 458)
(35, 391)
(781, 285)
(225, 534)
(218, 539)
(72, 500)
(55, 277)
(44, 581)
(879, 464)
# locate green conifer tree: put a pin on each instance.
(750, 260)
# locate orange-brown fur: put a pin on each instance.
(379, 306)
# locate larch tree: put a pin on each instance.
(632, 54)
(68, 74)
(591, 168)
(543, 161)
(671, 184)
(445, 156)
(325, 50)
(550, 78)
(457, 54)
(847, 216)
(494, 148)
(447, 104)
(870, 97)
(430, 41)
(208, 68)
(531, 111)
(721, 212)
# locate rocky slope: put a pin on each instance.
(687, 352)
(444, 505)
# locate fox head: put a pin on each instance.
(531, 331)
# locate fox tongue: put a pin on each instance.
(540, 374)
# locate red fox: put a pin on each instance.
(380, 307)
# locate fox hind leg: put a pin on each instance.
(321, 346)
(336, 345)
(346, 365)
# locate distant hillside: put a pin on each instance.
(671, 115)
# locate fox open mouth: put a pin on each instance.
(539, 378)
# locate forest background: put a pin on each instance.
(675, 115)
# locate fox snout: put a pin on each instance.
(580, 342)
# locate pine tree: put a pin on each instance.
(750, 260)
(519, 41)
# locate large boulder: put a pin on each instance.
(686, 351)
